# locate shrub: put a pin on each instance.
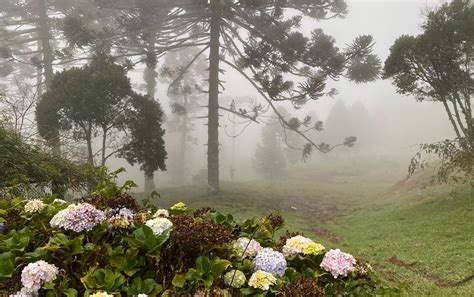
(118, 251)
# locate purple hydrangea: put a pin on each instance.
(338, 263)
(270, 261)
(78, 217)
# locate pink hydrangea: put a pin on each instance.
(338, 263)
(34, 275)
(78, 217)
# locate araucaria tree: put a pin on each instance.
(97, 100)
(437, 66)
(261, 40)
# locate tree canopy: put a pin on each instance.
(437, 66)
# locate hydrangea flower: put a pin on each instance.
(142, 216)
(235, 278)
(246, 247)
(262, 280)
(159, 225)
(179, 207)
(301, 245)
(34, 275)
(338, 263)
(101, 294)
(161, 213)
(34, 205)
(270, 261)
(122, 219)
(78, 217)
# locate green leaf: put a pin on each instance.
(70, 292)
(218, 266)
(179, 281)
(7, 265)
(202, 264)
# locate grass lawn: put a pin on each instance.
(422, 237)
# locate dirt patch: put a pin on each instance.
(326, 234)
(427, 274)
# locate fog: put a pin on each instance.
(391, 125)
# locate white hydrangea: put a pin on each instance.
(246, 247)
(34, 275)
(34, 205)
(159, 225)
(301, 245)
(161, 213)
(262, 280)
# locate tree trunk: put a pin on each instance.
(90, 154)
(213, 105)
(44, 34)
(104, 144)
(183, 142)
(149, 75)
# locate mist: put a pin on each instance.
(236, 147)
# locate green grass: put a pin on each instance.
(358, 207)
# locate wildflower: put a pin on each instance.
(246, 247)
(78, 217)
(161, 213)
(34, 275)
(301, 245)
(262, 280)
(235, 278)
(179, 207)
(122, 219)
(142, 295)
(270, 261)
(159, 225)
(338, 263)
(34, 205)
(101, 294)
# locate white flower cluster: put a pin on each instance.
(301, 245)
(34, 205)
(262, 280)
(159, 225)
(247, 248)
(78, 217)
(235, 278)
(161, 213)
(34, 275)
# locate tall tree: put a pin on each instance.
(260, 40)
(91, 100)
(186, 99)
(437, 65)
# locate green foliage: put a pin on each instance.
(98, 100)
(206, 271)
(437, 66)
(137, 259)
(146, 145)
(23, 165)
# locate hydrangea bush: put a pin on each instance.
(116, 248)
